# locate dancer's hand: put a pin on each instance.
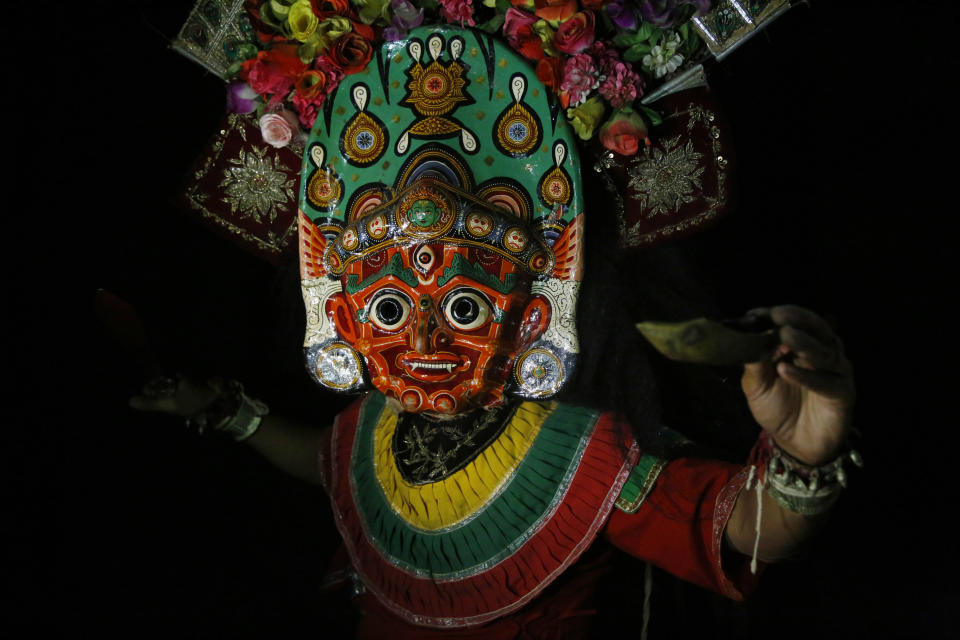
(803, 394)
(176, 396)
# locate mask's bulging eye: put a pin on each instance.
(466, 310)
(390, 311)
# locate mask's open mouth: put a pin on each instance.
(438, 367)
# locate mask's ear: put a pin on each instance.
(331, 329)
(338, 313)
(535, 320)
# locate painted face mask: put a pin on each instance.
(440, 229)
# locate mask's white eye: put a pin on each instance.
(390, 311)
(466, 310)
(424, 258)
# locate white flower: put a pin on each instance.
(663, 58)
(279, 128)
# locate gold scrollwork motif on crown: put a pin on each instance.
(364, 139)
(434, 92)
(517, 129)
(257, 185)
(438, 88)
(562, 295)
(324, 187)
(556, 188)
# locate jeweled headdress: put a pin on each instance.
(451, 136)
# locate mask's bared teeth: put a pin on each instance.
(414, 365)
(448, 367)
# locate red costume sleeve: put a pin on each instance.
(680, 526)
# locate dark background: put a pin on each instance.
(844, 123)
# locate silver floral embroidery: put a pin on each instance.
(668, 178)
(257, 185)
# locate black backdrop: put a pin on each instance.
(844, 124)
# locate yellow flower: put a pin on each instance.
(373, 10)
(542, 28)
(334, 27)
(585, 118)
(303, 22)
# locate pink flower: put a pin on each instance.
(623, 132)
(279, 127)
(621, 84)
(603, 54)
(513, 20)
(580, 77)
(307, 110)
(308, 103)
(576, 34)
(457, 11)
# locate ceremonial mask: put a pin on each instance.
(441, 229)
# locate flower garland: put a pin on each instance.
(597, 56)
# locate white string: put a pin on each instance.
(647, 590)
(756, 540)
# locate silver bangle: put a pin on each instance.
(806, 489)
(233, 412)
(247, 419)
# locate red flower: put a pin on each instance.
(338, 6)
(351, 52)
(550, 73)
(309, 85)
(576, 34)
(518, 28)
(623, 132)
(555, 10)
(274, 71)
